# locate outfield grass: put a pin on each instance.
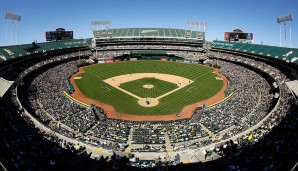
(204, 86)
(160, 87)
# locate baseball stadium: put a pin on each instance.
(148, 98)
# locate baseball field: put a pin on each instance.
(148, 87)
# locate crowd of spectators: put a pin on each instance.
(162, 163)
(248, 105)
(193, 53)
(277, 73)
(45, 99)
(150, 47)
(185, 130)
(148, 148)
(111, 130)
(24, 146)
(148, 134)
(272, 145)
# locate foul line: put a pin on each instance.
(226, 98)
(75, 100)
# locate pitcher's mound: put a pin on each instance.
(148, 86)
(148, 102)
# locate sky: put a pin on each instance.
(254, 16)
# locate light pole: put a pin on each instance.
(13, 18)
(284, 19)
(202, 26)
(105, 23)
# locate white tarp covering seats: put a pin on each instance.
(4, 86)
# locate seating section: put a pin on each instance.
(289, 55)
(149, 32)
(148, 135)
(184, 130)
(148, 52)
(10, 52)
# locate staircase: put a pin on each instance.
(168, 143)
(129, 140)
(207, 130)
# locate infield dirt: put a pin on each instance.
(112, 113)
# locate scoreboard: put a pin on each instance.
(238, 36)
(58, 35)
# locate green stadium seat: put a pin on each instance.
(193, 34)
(167, 32)
(228, 45)
(285, 54)
(237, 46)
(262, 50)
(16, 51)
(4, 55)
(124, 32)
(149, 32)
(9, 52)
(130, 32)
(161, 32)
(254, 48)
(174, 33)
(219, 44)
(245, 47)
(179, 34)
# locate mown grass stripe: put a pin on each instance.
(204, 87)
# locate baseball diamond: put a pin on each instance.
(151, 93)
(121, 85)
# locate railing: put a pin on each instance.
(2, 167)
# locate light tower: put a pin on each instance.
(13, 18)
(202, 25)
(103, 24)
(202, 28)
(284, 20)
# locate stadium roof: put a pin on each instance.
(4, 86)
(149, 32)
